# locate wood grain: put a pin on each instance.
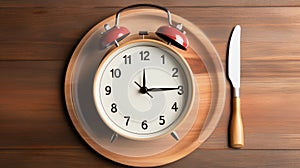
(38, 38)
(33, 114)
(83, 158)
(116, 3)
(269, 27)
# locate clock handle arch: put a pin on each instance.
(117, 20)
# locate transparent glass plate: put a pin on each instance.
(208, 72)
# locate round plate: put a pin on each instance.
(208, 73)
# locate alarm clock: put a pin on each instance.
(144, 90)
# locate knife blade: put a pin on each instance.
(234, 70)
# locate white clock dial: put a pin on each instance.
(143, 89)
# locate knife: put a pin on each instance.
(234, 70)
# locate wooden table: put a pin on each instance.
(37, 41)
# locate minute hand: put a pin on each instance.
(161, 89)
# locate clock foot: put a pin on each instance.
(175, 136)
(113, 137)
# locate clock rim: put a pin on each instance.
(190, 81)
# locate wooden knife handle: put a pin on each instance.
(236, 125)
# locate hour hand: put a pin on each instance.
(161, 89)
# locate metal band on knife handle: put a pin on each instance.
(236, 125)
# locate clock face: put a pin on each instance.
(143, 89)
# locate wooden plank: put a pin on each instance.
(33, 24)
(116, 3)
(48, 25)
(33, 113)
(270, 109)
(241, 158)
(53, 33)
(53, 158)
(199, 158)
(43, 51)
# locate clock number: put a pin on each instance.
(174, 107)
(127, 59)
(144, 125)
(127, 119)
(163, 59)
(115, 73)
(162, 121)
(145, 55)
(180, 90)
(108, 90)
(175, 72)
(114, 108)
